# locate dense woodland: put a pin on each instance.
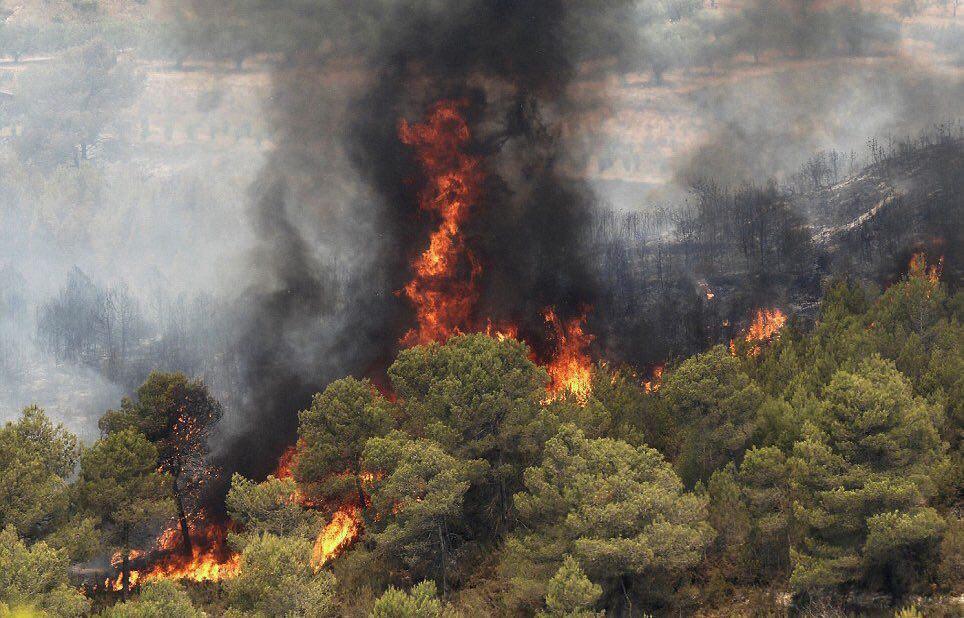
(819, 470)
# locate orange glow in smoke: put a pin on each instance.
(652, 385)
(442, 290)
(286, 463)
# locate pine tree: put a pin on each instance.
(480, 398)
(570, 594)
(333, 433)
(619, 510)
(119, 485)
(420, 602)
(863, 465)
(418, 503)
(716, 405)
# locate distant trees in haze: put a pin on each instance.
(92, 325)
(66, 106)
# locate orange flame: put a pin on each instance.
(570, 369)
(765, 325)
(286, 463)
(211, 560)
(918, 268)
(443, 300)
(442, 290)
(652, 385)
(341, 531)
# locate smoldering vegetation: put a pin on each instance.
(257, 234)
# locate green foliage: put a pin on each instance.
(36, 577)
(828, 463)
(118, 484)
(950, 569)
(273, 506)
(175, 413)
(570, 593)
(619, 510)
(630, 414)
(716, 405)
(418, 503)
(899, 546)
(36, 459)
(421, 602)
(864, 463)
(78, 536)
(479, 398)
(157, 599)
(276, 579)
(333, 433)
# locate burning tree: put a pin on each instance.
(274, 506)
(119, 484)
(176, 415)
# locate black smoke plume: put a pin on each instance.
(336, 208)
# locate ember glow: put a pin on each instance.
(706, 290)
(570, 368)
(442, 291)
(765, 325)
(286, 463)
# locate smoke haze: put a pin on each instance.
(247, 197)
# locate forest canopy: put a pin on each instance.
(825, 462)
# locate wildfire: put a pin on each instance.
(443, 289)
(442, 296)
(918, 268)
(286, 463)
(204, 565)
(570, 369)
(341, 531)
(652, 385)
(211, 560)
(765, 325)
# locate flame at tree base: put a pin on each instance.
(211, 559)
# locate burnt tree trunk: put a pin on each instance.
(182, 520)
(125, 565)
